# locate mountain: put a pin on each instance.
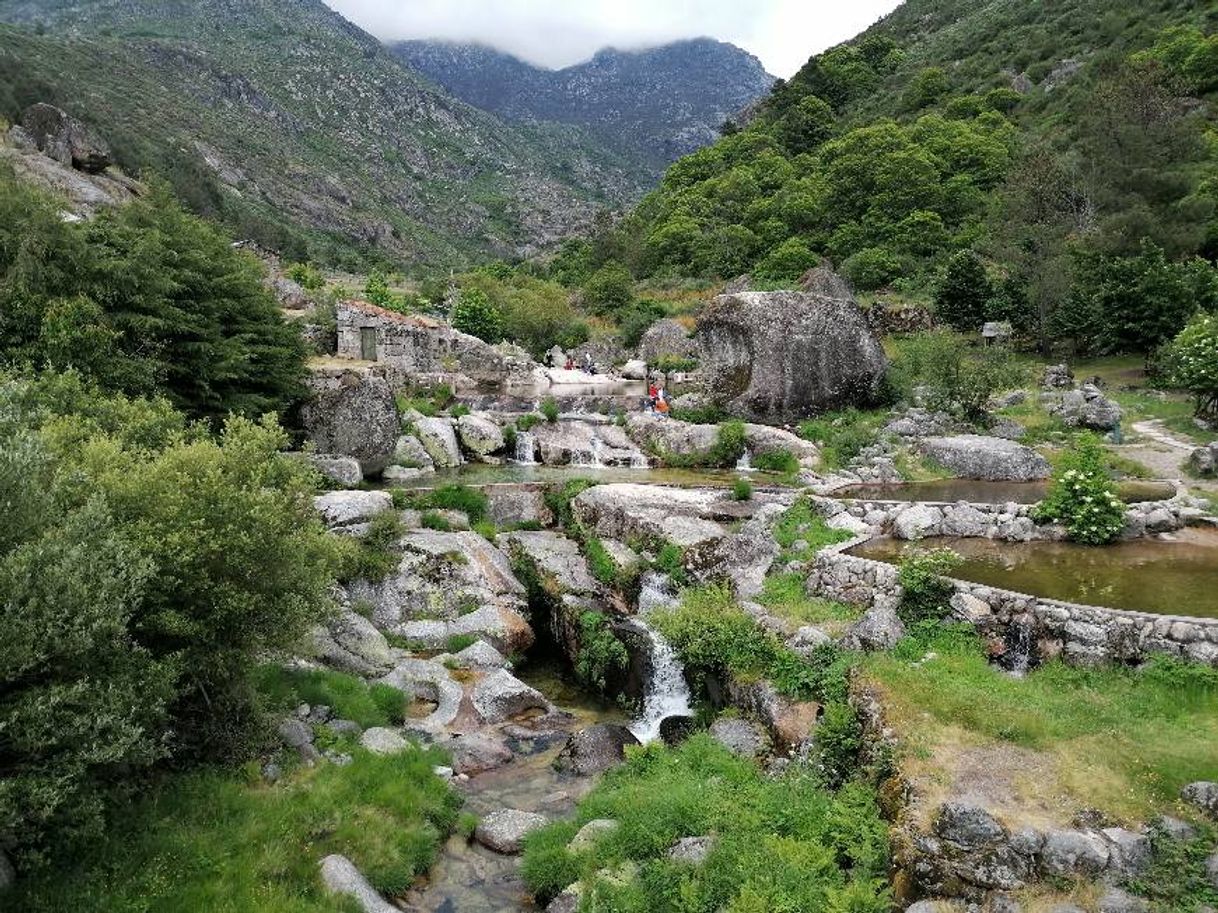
(297, 129)
(651, 105)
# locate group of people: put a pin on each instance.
(657, 399)
(589, 366)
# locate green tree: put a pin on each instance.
(1192, 362)
(609, 289)
(788, 261)
(476, 315)
(963, 297)
(806, 125)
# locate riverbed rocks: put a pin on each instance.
(351, 643)
(342, 470)
(425, 680)
(785, 355)
(584, 443)
(625, 511)
(352, 413)
(477, 752)
(741, 737)
(595, 749)
(504, 830)
(662, 436)
(500, 696)
(439, 439)
(340, 876)
(1088, 407)
(479, 436)
(380, 740)
(973, 456)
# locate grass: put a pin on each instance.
(784, 596)
(1060, 739)
(226, 840)
(841, 436)
(780, 843)
(802, 522)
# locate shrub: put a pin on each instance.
(600, 562)
(842, 436)
(872, 268)
(306, 275)
(742, 490)
(609, 290)
(675, 363)
(783, 461)
(956, 377)
(637, 319)
(601, 654)
(434, 521)
(558, 499)
(962, 299)
(1082, 496)
(549, 409)
(474, 314)
(729, 444)
(924, 593)
(373, 556)
(1192, 362)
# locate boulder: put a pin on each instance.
(479, 655)
(973, 456)
(767, 439)
(290, 295)
(342, 470)
(667, 338)
(351, 643)
(635, 369)
(1204, 795)
(1074, 853)
(1114, 900)
(572, 442)
(590, 833)
(500, 696)
(410, 453)
(967, 825)
(666, 436)
(691, 850)
(676, 729)
(1057, 377)
(379, 740)
(740, 737)
(340, 876)
(878, 629)
(917, 522)
(1087, 407)
(786, 355)
(439, 439)
(355, 415)
(554, 556)
(479, 435)
(1204, 460)
(820, 280)
(1128, 852)
(424, 680)
(62, 137)
(627, 511)
(595, 749)
(344, 508)
(504, 831)
(478, 752)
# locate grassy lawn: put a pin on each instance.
(780, 843)
(785, 597)
(1061, 739)
(226, 841)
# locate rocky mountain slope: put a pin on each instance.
(653, 105)
(299, 130)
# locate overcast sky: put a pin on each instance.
(557, 33)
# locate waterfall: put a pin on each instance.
(638, 460)
(526, 448)
(591, 458)
(745, 463)
(1019, 642)
(667, 691)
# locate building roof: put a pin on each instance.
(417, 320)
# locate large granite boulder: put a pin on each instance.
(667, 338)
(504, 830)
(974, 456)
(662, 436)
(439, 439)
(785, 355)
(595, 749)
(479, 435)
(580, 443)
(684, 516)
(1088, 407)
(353, 413)
(65, 139)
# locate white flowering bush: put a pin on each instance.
(1192, 362)
(1083, 496)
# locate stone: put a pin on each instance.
(556, 557)
(576, 443)
(635, 369)
(750, 341)
(479, 435)
(409, 453)
(740, 737)
(1087, 407)
(1204, 795)
(586, 836)
(595, 749)
(761, 439)
(295, 733)
(1057, 377)
(1174, 828)
(1211, 868)
(1114, 900)
(968, 608)
(379, 740)
(667, 338)
(676, 729)
(500, 696)
(504, 830)
(691, 850)
(289, 293)
(1004, 903)
(917, 522)
(479, 655)
(404, 474)
(62, 137)
(477, 752)
(439, 439)
(878, 629)
(1128, 852)
(966, 825)
(627, 511)
(807, 639)
(1074, 853)
(669, 437)
(342, 470)
(355, 415)
(973, 456)
(344, 508)
(351, 643)
(1204, 460)
(340, 876)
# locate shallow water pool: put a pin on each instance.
(978, 492)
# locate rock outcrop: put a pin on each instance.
(65, 139)
(353, 413)
(974, 456)
(1088, 407)
(785, 355)
(667, 338)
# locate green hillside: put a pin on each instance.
(299, 130)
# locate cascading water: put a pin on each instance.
(526, 448)
(1019, 642)
(667, 691)
(590, 458)
(745, 463)
(638, 460)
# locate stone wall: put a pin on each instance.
(1080, 634)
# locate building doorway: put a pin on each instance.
(367, 343)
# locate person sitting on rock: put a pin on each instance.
(662, 403)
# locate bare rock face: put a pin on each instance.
(353, 414)
(786, 355)
(65, 139)
(667, 338)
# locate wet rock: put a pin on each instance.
(691, 850)
(439, 439)
(595, 749)
(477, 752)
(1114, 900)
(345, 508)
(751, 339)
(571, 442)
(500, 696)
(504, 831)
(1074, 853)
(590, 833)
(676, 729)
(479, 655)
(973, 456)
(1204, 795)
(340, 876)
(479, 435)
(409, 453)
(379, 740)
(62, 137)
(353, 414)
(740, 737)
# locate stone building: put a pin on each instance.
(418, 350)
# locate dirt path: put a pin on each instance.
(1162, 452)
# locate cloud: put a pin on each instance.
(558, 33)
